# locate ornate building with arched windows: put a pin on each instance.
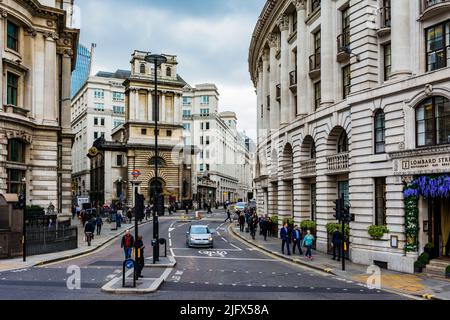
(353, 100)
(38, 45)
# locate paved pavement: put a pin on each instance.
(417, 285)
(232, 270)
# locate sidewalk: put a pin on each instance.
(106, 236)
(414, 285)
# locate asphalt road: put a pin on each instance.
(232, 270)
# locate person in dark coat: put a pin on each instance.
(252, 225)
(99, 223)
(228, 216)
(337, 243)
(285, 240)
(130, 215)
(264, 227)
(297, 238)
(140, 262)
(242, 222)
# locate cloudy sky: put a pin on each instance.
(210, 37)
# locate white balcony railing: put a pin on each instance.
(338, 163)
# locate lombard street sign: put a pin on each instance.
(414, 165)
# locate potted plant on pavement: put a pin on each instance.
(429, 248)
(418, 266)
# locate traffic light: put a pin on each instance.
(22, 201)
(139, 208)
(339, 208)
(160, 205)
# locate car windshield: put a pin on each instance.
(199, 230)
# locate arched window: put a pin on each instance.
(379, 132)
(433, 122)
(313, 150)
(142, 68)
(169, 72)
(161, 162)
(343, 142)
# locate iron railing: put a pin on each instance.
(293, 78)
(429, 3)
(314, 61)
(343, 42)
(44, 240)
(385, 20)
(278, 91)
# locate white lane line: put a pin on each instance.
(235, 247)
(224, 239)
(215, 249)
(170, 242)
(218, 258)
(171, 251)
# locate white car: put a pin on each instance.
(199, 236)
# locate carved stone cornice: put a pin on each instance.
(283, 22)
(300, 4)
(3, 13)
(31, 32)
(51, 35)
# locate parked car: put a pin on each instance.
(199, 236)
(240, 206)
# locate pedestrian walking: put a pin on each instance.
(252, 226)
(140, 262)
(285, 240)
(297, 240)
(242, 221)
(336, 242)
(127, 244)
(74, 211)
(130, 215)
(228, 216)
(99, 224)
(308, 242)
(264, 227)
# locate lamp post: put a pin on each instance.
(157, 60)
(23, 206)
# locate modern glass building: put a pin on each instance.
(81, 72)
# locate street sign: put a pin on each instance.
(129, 264)
(136, 173)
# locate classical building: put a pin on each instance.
(98, 108)
(133, 142)
(353, 99)
(38, 51)
(222, 171)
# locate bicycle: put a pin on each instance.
(89, 237)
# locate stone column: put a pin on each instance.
(260, 97)
(283, 24)
(131, 103)
(266, 125)
(274, 108)
(327, 53)
(162, 108)
(150, 106)
(50, 85)
(177, 108)
(302, 59)
(30, 35)
(65, 92)
(137, 106)
(400, 39)
(273, 198)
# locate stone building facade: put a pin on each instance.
(38, 51)
(353, 98)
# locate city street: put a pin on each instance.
(232, 270)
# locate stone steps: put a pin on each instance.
(436, 268)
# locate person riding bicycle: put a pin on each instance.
(89, 229)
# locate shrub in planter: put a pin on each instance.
(289, 221)
(447, 272)
(418, 266)
(308, 225)
(429, 248)
(331, 227)
(424, 258)
(377, 232)
(274, 220)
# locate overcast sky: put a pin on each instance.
(210, 37)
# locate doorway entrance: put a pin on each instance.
(439, 227)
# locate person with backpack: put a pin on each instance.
(297, 240)
(99, 223)
(308, 242)
(285, 240)
(127, 244)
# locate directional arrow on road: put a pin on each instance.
(171, 229)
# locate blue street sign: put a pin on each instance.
(129, 264)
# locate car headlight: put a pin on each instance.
(210, 239)
(192, 239)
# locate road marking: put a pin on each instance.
(264, 286)
(220, 284)
(249, 285)
(171, 229)
(212, 254)
(224, 239)
(192, 282)
(171, 251)
(170, 242)
(206, 282)
(179, 273)
(239, 249)
(234, 284)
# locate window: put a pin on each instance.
(386, 14)
(186, 113)
(95, 121)
(207, 140)
(268, 103)
(313, 151)
(346, 81)
(187, 126)
(13, 36)
(119, 109)
(142, 69)
(144, 132)
(379, 132)
(380, 201)
(15, 181)
(201, 125)
(95, 135)
(343, 189)
(387, 61)
(99, 107)
(204, 112)
(169, 72)
(317, 42)
(315, 4)
(119, 160)
(102, 122)
(313, 201)
(204, 100)
(433, 122)
(207, 154)
(201, 167)
(207, 125)
(102, 135)
(317, 94)
(186, 101)
(16, 151)
(346, 27)
(99, 94)
(201, 140)
(118, 123)
(343, 142)
(118, 97)
(207, 167)
(169, 133)
(157, 160)
(438, 46)
(13, 88)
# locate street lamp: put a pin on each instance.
(23, 206)
(156, 60)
